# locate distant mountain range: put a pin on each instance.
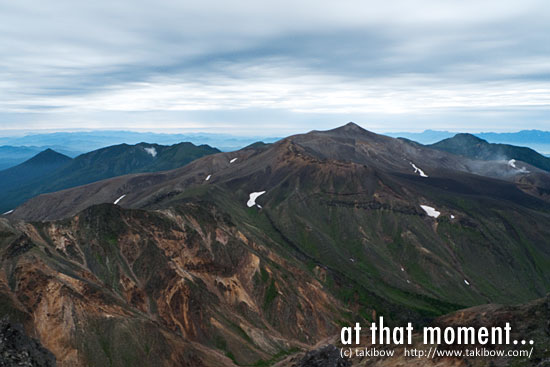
(86, 141)
(535, 139)
(17, 149)
(51, 171)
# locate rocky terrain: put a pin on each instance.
(112, 286)
(529, 321)
(256, 256)
(17, 349)
(327, 356)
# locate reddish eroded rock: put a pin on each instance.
(202, 282)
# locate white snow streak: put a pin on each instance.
(233, 160)
(418, 170)
(8, 212)
(467, 282)
(208, 177)
(120, 198)
(253, 196)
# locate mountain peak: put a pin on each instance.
(351, 129)
(459, 143)
(48, 156)
(465, 137)
(351, 126)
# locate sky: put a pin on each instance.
(274, 68)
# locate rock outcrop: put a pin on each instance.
(18, 349)
(327, 356)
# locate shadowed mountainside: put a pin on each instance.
(50, 171)
(34, 169)
(473, 147)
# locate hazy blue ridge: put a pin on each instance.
(50, 171)
(87, 141)
(534, 139)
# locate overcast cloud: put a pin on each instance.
(252, 67)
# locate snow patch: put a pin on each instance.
(402, 269)
(430, 211)
(418, 170)
(512, 163)
(467, 282)
(120, 198)
(452, 216)
(8, 212)
(208, 177)
(151, 151)
(253, 196)
(233, 160)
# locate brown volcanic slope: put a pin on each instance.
(340, 236)
(349, 200)
(349, 147)
(178, 287)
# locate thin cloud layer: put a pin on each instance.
(278, 68)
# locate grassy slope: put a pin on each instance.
(498, 246)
